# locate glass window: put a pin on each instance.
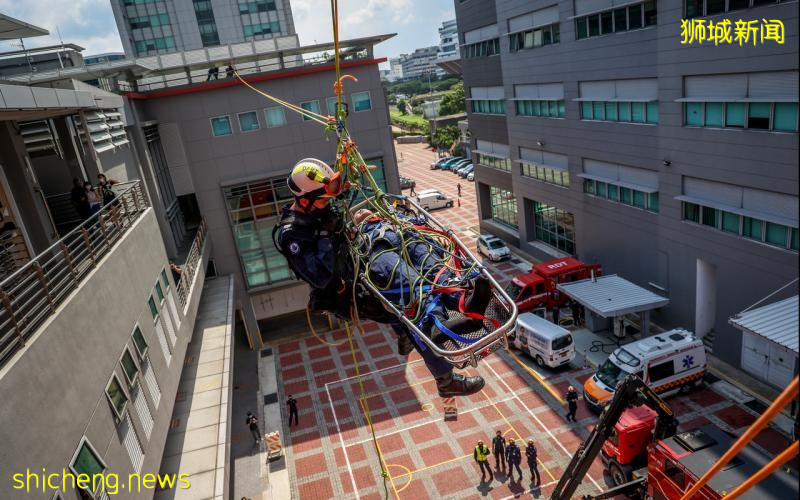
(795, 241)
(713, 114)
(586, 110)
(785, 117)
(709, 216)
(600, 188)
(752, 228)
(734, 114)
(637, 112)
(625, 195)
(777, 234)
(139, 342)
(312, 106)
(694, 114)
(594, 25)
(714, 7)
(588, 186)
(652, 112)
(694, 8)
(562, 109)
(611, 111)
(650, 13)
(504, 206)
(638, 199)
(613, 192)
(691, 212)
(554, 226)
(606, 22)
(624, 111)
(164, 279)
(621, 19)
(129, 367)
(730, 223)
(160, 293)
(361, 101)
(635, 17)
(758, 115)
(117, 397)
(598, 109)
(248, 121)
(330, 103)
(275, 116)
(652, 202)
(221, 126)
(87, 461)
(582, 27)
(152, 305)
(553, 106)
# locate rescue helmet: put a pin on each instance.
(312, 178)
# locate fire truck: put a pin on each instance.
(646, 457)
(537, 288)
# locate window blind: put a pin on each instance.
(493, 149)
(487, 93)
(543, 158)
(535, 19)
(542, 91)
(639, 89)
(777, 86)
(481, 34)
(620, 175)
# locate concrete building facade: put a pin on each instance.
(151, 27)
(597, 133)
(420, 63)
(448, 39)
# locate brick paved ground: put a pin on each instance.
(331, 453)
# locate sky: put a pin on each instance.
(90, 23)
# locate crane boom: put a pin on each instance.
(630, 392)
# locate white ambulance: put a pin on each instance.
(547, 343)
(668, 362)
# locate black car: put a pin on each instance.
(406, 183)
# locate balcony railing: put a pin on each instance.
(194, 259)
(13, 252)
(33, 293)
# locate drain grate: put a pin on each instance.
(270, 398)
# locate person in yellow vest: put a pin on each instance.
(481, 455)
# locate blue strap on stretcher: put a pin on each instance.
(453, 335)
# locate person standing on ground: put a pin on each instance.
(79, 199)
(481, 455)
(292, 404)
(252, 423)
(514, 458)
(93, 199)
(459, 189)
(412, 192)
(499, 450)
(576, 313)
(572, 402)
(530, 453)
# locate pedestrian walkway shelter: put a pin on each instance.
(610, 298)
(769, 340)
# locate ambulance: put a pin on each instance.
(668, 362)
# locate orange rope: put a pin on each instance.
(768, 469)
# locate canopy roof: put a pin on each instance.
(777, 322)
(611, 296)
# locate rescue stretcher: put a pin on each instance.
(500, 315)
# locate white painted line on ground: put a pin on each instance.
(547, 430)
(372, 372)
(545, 485)
(404, 429)
(341, 440)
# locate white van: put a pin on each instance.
(547, 343)
(432, 201)
(668, 362)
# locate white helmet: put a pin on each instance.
(312, 178)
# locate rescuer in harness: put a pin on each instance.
(311, 235)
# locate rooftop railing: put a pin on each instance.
(193, 260)
(30, 295)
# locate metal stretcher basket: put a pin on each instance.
(501, 308)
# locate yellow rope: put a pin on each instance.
(314, 331)
(322, 119)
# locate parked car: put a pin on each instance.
(471, 176)
(442, 162)
(432, 201)
(493, 247)
(455, 166)
(406, 183)
(463, 172)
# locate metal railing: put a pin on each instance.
(13, 252)
(33, 292)
(193, 260)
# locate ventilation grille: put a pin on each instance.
(106, 130)
(39, 137)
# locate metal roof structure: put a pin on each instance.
(610, 296)
(11, 29)
(777, 322)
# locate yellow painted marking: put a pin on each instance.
(427, 406)
(539, 379)
(408, 472)
(436, 465)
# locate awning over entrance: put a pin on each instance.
(777, 322)
(11, 29)
(611, 296)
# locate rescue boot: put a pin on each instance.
(455, 384)
(479, 296)
(404, 345)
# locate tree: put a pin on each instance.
(402, 106)
(454, 102)
(446, 136)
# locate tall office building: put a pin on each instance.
(420, 63)
(150, 27)
(597, 133)
(448, 39)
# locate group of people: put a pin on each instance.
(213, 72)
(88, 199)
(506, 455)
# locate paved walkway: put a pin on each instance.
(198, 438)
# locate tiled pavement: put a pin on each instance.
(331, 453)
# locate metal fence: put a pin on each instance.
(193, 260)
(32, 293)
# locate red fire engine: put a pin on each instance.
(537, 288)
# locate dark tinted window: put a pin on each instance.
(661, 371)
(714, 7)
(635, 17)
(594, 25)
(605, 22)
(620, 20)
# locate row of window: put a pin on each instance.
(554, 226)
(619, 194)
(494, 161)
(548, 109)
(149, 21)
(489, 106)
(276, 117)
(700, 8)
(620, 111)
(616, 20)
(153, 44)
(481, 49)
(254, 30)
(775, 116)
(504, 206)
(537, 37)
(140, 2)
(546, 174)
(771, 233)
(206, 23)
(256, 6)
